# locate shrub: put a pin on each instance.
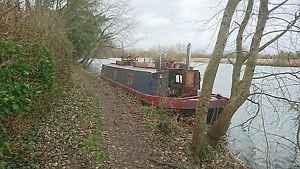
(5, 150)
(26, 72)
(49, 30)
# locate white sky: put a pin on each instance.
(167, 22)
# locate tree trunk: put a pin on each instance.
(241, 92)
(85, 66)
(298, 134)
(240, 56)
(209, 78)
(38, 4)
(86, 57)
(27, 5)
(220, 127)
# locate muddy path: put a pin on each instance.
(124, 134)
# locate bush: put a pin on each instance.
(49, 30)
(5, 150)
(26, 72)
(46, 29)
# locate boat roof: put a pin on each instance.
(151, 70)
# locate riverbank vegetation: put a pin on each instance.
(49, 117)
(64, 133)
(242, 76)
(173, 135)
(39, 42)
(34, 68)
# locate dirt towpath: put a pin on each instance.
(124, 135)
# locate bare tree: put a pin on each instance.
(241, 83)
(209, 78)
(116, 30)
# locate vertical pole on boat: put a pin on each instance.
(188, 55)
(160, 62)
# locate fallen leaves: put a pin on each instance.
(69, 127)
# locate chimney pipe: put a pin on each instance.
(188, 55)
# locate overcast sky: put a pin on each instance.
(167, 22)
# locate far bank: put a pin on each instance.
(261, 62)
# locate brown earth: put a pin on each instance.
(71, 132)
(124, 136)
(131, 136)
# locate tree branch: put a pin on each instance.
(276, 97)
(279, 5)
(241, 57)
(276, 74)
(282, 33)
(272, 134)
(249, 120)
(276, 31)
(8, 11)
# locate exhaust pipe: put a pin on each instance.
(188, 56)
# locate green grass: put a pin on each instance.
(150, 126)
(106, 83)
(93, 111)
(158, 120)
(68, 107)
(93, 143)
(101, 157)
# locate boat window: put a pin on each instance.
(178, 78)
(115, 72)
(130, 79)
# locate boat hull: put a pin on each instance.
(182, 103)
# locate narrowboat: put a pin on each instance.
(172, 87)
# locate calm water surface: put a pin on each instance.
(280, 120)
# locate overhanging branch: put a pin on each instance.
(276, 97)
(276, 74)
(297, 16)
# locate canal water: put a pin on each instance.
(248, 142)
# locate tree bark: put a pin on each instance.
(298, 134)
(236, 100)
(242, 90)
(27, 5)
(38, 4)
(85, 66)
(86, 57)
(209, 78)
(240, 56)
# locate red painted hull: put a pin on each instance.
(170, 102)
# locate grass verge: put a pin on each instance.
(93, 143)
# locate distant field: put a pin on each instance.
(266, 62)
